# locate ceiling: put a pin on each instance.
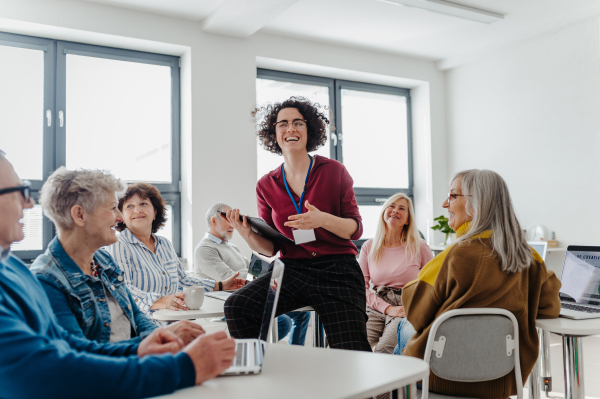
(378, 24)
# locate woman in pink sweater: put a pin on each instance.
(390, 260)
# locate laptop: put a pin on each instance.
(250, 352)
(580, 291)
(540, 246)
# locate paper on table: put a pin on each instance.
(579, 279)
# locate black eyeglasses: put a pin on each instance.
(24, 189)
(298, 125)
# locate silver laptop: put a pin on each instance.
(249, 353)
(580, 291)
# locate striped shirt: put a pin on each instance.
(150, 276)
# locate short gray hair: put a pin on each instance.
(214, 211)
(66, 188)
(488, 203)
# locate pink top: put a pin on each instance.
(393, 269)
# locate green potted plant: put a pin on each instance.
(442, 226)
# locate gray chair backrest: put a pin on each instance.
(472, 345)
(477, 345)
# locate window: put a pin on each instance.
(82, 106)
(372, 135)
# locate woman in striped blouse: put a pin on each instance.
(152, 270)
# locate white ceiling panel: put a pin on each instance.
(379, 24)
(188, 9)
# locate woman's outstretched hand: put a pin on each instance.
(312, 219)
(243, 227)
(233, 283)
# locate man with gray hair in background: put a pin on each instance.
(215, 257)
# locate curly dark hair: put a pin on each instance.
(148, 192)
(316, 123)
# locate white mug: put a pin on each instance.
(193, 297)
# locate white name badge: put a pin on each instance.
(304, 236)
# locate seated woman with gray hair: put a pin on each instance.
(85, 287)
(490, 265)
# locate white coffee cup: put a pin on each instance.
(193, 297)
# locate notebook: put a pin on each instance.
(580, 278)
(250, 353)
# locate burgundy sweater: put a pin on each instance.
(329, 189)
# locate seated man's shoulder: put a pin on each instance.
(206, 244)
(206, 241)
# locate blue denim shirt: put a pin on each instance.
(79, 301)
(41, 360)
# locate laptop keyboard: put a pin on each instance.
(241, 354)
(579, 308)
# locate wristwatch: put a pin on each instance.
(220, 286)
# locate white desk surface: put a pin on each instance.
(210, 308)
(297, 372)
(571, 327)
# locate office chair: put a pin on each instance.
(473, 345)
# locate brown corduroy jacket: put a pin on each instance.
(468, 275)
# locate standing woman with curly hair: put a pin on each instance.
(310, 200)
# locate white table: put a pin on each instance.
(572, 331)
(296, 372)
(210, 308)
(214, 308)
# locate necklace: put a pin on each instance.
(95, 268)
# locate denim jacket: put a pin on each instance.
(79, 301)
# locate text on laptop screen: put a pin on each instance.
(581, 277)
(271, 304)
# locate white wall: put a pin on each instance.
(531, 113)
(218, 92)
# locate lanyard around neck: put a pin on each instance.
(297, 206)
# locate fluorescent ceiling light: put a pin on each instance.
(450, 8)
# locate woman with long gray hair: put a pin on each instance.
(389, 261)
(490, 265)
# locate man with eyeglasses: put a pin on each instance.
(39, 359)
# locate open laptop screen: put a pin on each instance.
(581, 275)
(271, 304)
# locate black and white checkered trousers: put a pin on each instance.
(333, 285)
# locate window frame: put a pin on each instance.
(364, 195)
(54, 136)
